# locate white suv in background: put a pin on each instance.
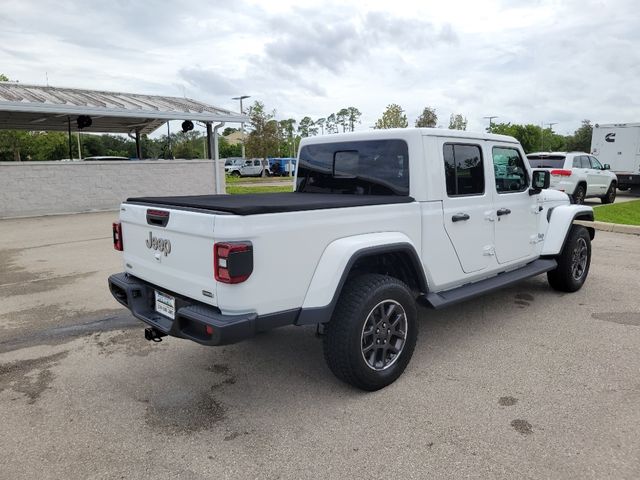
(578, 174)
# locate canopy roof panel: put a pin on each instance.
(36, 107)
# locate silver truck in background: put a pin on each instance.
(618, 144)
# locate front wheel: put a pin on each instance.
(372, 333)
(610, 196)
(573, 262)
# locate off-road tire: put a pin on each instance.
(345, 333)
(564, 277)
(579, 195)
(610, 196)
(235, 173)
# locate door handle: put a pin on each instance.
(459, 217)
(503, 211)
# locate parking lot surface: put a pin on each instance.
(522, 383)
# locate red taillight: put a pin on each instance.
(232, 261)
(561, 173)
(117, 236)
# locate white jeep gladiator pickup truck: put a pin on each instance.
(379, 223)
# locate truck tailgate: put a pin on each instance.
(176, 256)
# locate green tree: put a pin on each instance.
(342, 118)
(229, 130)
(263, 139)
(392, 117)
(227, 150)
(529, 135)
(331, 124)
(320, 123)
(288, 142)
(553, 142)
(3, 78)
(305, 127)
(12, 142)
(50, 146)
(353, 117)
(457, 122)
(313, 129)
(580, 141)
(188, 144)
(427, 118)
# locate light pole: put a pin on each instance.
(490, 118)
(550, 128)
(242, 97)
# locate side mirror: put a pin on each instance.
(606, 166)
(540, 180)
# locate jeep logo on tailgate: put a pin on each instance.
(161, 244)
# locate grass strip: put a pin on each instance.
(627, 213)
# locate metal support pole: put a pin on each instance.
(70, 149)
(216, 157)
(138, 146)
(242, 97)
(242, 128)
(169, 142)
(209, 142)
(79, 147)
(212, 144)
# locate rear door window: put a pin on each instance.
(463, 168)
(367, 167)
(584, 162)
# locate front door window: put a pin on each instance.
(510, 171)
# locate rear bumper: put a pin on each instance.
(627, 179)
(192, 318)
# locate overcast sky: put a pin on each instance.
(524, 61)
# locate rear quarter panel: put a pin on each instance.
(288, 246)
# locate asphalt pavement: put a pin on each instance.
(522, 383)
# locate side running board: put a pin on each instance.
(446, 298)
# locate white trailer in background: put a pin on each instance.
(618, 144)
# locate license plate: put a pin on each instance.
(166, 305)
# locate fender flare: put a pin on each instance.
(335, 265)
(560, 220)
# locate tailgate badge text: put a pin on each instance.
(161, 244)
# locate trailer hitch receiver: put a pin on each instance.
(153, 334)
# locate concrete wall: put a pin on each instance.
(44, 188)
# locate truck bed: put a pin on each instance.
(260, 203)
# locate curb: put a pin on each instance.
(611, 227)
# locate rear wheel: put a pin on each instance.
(610, 196)
(579, 194)
(573, 262)
(372, 333)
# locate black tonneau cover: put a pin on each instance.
(257, 203)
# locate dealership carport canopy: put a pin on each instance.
(33, 107)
